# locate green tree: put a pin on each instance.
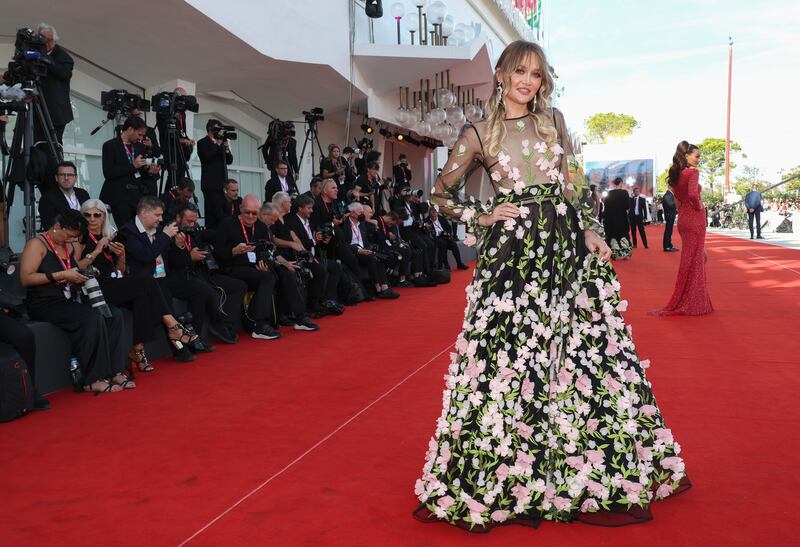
(712, 159)
(662, 182)
(601, 126)
(747, 178)
(790, 189)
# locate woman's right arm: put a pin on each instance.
(31, 259)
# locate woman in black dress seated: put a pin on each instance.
(142, 296)
(49, 270)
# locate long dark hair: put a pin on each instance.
(679, 161)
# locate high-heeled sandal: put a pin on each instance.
(179, 335)
(109, 387)
(126, 382)
(138, 359)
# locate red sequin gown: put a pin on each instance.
(690, 296)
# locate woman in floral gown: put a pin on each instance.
(690, 296)
(547, 413)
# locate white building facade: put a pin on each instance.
(250, 61)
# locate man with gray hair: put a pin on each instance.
(355, 236)
(55, 84)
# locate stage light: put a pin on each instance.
(400, 137)
(366, 129)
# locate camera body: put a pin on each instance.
(120, 102)
(265, 252)
(150, 159)
(30, 59)
(315, 115)
(168, 103)
(93, 293)
(225, 133)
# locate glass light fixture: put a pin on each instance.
(448, 27)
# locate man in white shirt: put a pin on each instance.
(637, 215)
(355, 235)
(281, 181)
(63, 198)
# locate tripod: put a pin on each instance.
(21, 145)
(173, 153)
(313, 137)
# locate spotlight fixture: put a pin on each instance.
(366, 129)
(400, 137)
(385, 132)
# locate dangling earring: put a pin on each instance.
(534, 103)
(499, 93)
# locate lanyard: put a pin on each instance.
(66, 265)
(105, 253)
(189, 242)
(247, 239)
(232, 207)
(128, 152)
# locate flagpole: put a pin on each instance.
(728, 130)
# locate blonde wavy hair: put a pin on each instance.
(514, 55)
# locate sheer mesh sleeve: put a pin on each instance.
(448, 191)
(575, 189)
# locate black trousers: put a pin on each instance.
(375, 270)
(230, 295)
(20, 337)
(97, 341)
(755, 215)
(325, 283)
(670, 223)
(444, 244)
(423, 242)
(637, 223)
(143, 297)
(201, 298)
(213, 204)
(263, 285)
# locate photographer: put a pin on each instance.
(281, 181)
(331, 167)
(56, 83)
(355, 236)
(147, 244)
(367, 185)
(215, 154)
(152, 151)
(387, 236)
(416, 231)
(184, 191)
(232, 205)
(48, 270)
(324, 285)
(444, 235)
(402, 174)
(188, 260)
(314, 188)
(63, 198)
(235, 250)
(106, 254)
(291, 278)
(125, 168)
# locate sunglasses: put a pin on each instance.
(93, 215)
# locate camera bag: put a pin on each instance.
(441, 276)
(16, 388)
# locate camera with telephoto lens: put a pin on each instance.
(303, 260)
(170, 103)
(225, 133)
(390, 261)
(314, 116)
(30, 61)
(93, 293)
(326, 229)
(265, 252)
(150, 158)
(118, 102)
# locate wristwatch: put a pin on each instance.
(90, 256)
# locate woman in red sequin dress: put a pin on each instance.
(690, 296)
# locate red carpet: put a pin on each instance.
(321, 436)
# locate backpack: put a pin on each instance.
(16, 388)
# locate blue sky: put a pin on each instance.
(666, 64)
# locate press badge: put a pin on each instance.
(251, 256)
(160, 270)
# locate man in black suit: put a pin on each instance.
(444, 235)
(215, 156)
(152, 150)
(63, 198)
(752, 201)
(402, 174)
(55, 84)
(637, 215)
(231, 207)
(188, 259)
(355, 236)
(147, 244)
(413, 230)
(125, 171)
(323, 287)
(281, 181)
(670, 212)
